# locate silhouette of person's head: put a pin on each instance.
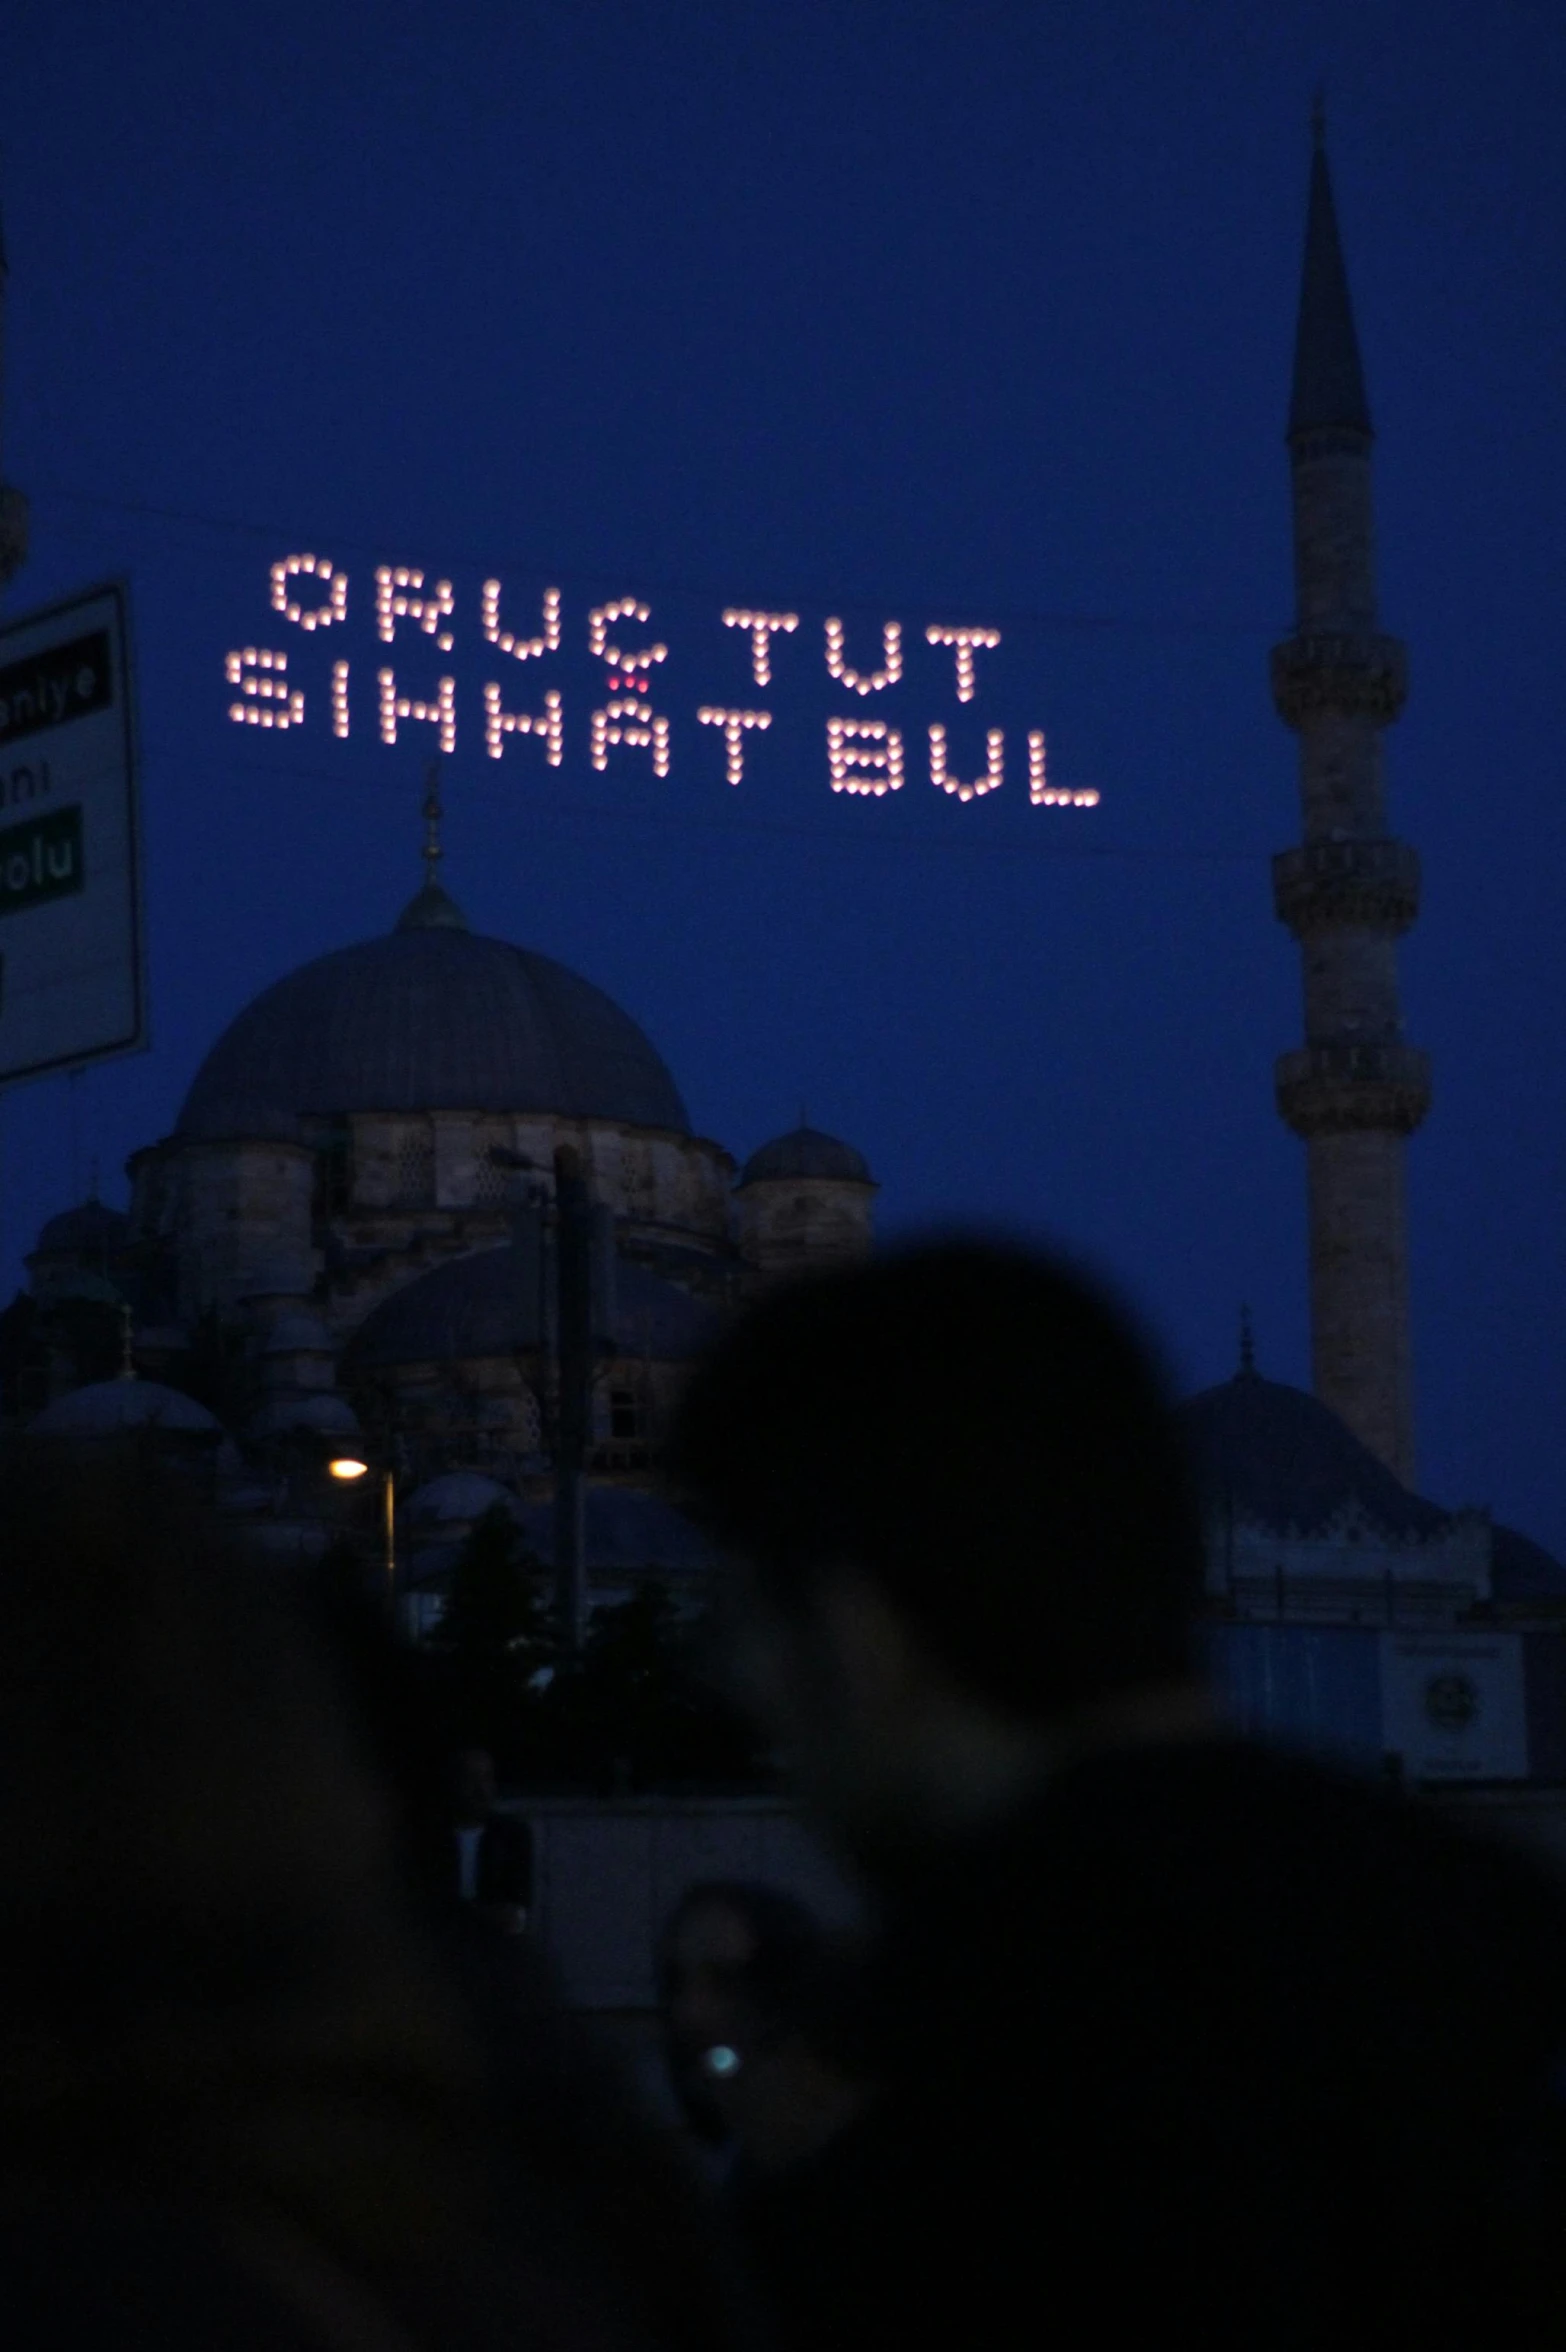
(473, 1784)
(958, 1526)
(736, 1964)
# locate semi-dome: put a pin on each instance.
(457, 1498)
(323, 1414)
(488, 1304)
(806, 1152)
(298, 1334)
(624, 1529)
(106, 1408)
(431, 1017)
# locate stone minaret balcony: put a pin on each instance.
(1355, 1090)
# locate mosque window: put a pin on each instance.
(490, 1184)
(414, 1167)
(627, 1419)
(333, 1187)
(531, 1421)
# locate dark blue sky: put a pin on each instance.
(962, 312)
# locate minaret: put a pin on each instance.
(13, 506)
(1355, 1090)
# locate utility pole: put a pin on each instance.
(574, 1326)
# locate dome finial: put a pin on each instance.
(127, 1369)
(1247, 1343)
(432, 908)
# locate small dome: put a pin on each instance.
(458, 1498)
(92, 1229)
(327, 1416)
(104, 1408)
(298, 1335)
(806, 1152)
(1284, 1459)
(487, 1305)
(430, 1018)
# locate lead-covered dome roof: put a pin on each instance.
(805, 1151)
(107, 1408)
(432, 1017)
(1283, 1459)
(91, 1228)
(487, 1304)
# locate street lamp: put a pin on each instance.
(349, 1467)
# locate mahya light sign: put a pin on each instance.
(394, 693)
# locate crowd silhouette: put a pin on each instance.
(1151, 2034)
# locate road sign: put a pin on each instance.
(71, 985)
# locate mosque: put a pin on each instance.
(333, 1241)
(345, 1241)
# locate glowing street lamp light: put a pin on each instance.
(349, 1467)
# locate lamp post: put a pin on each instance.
(349, 1467)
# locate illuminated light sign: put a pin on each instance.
(863, 682)
(498, 724)
(260, 675)
(734, 724)
(441, 713)
(646, 731)
(966, 642)
(311, 592)
(316, 567)
(394, 603)
(994, 772)
(621, 608)
(762, 627)
(521, 648)
(864, 755)
(1041, 792)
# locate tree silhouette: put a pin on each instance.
(496, 1638)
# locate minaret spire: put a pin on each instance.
(13, 506)
(1355, 1091)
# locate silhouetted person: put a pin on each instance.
(1177, 2040)
(245, 2097)
(744, 1975)
(492, 1857)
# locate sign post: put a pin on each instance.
(71, 978)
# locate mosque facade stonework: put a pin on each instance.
(348, 1240)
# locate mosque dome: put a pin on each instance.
(91, 1229)
(806, 1152)
(106, 1408)
(430, 1017)
(1282, 1458)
